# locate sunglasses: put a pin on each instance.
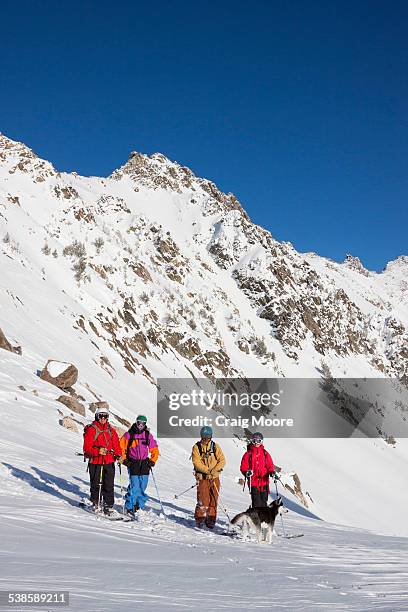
(256, 441)
(103, 416)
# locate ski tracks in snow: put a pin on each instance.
(167, 562)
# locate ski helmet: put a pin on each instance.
(141, 422)
(206, 432)
(102, 412)
(257, 437)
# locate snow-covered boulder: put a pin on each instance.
(60, 374)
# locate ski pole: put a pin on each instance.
(277, 495)
(189, 489)
(222, 505)
(245, 481)
(121, 487)
(157, 491)
(100, 484)
(83, 455)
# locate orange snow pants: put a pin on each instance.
(207, 500)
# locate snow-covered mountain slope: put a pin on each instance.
(48, 543)
(153, 272)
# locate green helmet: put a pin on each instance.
(142, 418)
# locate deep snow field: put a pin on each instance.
(48, 543)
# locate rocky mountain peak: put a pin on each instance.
(354, 263)
(10, 148)
(157, 171)
(400, 263)
(21, 159)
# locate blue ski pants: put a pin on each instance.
(135, 493)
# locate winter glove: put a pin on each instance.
(120, 459)
(150, 463)
(248, 473)
(103, 451)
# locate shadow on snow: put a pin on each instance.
(47, 483)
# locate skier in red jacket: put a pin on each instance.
(102, 448)
(257, 466)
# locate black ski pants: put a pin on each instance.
(108, 478)
(259, 497)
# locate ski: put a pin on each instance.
(129, 518)
(88, 508)
(290, 536)
(216, 531)
(229, 534)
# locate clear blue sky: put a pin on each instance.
(298, 107)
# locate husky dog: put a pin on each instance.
(260, 518)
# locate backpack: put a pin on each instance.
(130, 442)
(98, 432)
(207, 453)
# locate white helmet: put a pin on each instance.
(101, 410)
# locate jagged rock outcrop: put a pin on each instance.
(173, 260)
(354, 263)
(295, 487)
(93, 407)
(121, 420)
(69, 424)
(21, 159)
(7, 346)
(157, 171)
(72, 403)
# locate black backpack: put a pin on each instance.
(132, 435)
(207, 453)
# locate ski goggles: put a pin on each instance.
(102, 415)
(256, 440)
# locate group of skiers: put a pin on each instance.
(138, 451)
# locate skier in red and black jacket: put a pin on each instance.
(102, 448)
(257, 466)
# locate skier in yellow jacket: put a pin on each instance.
(208, 461)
